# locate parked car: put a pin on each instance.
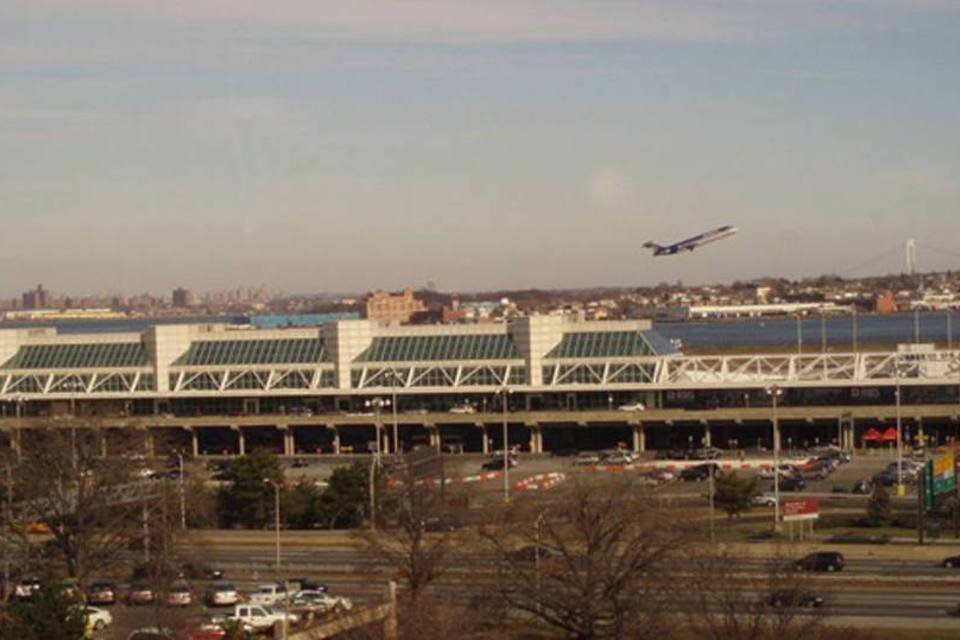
(633, 406)
(151, 633)
(705, 453)
(763, 500)
(661, 475)
(953, 562)
(463, 409)
(307, 584)
(619, 458)
(140, 593)
(587, 459)
(258, 618)
(201, 630)
(700, 472)
(320, 601)
(496, 464)
(102, 593)
(792, 483)
(97, 619)
(817, 471)
(795, 598)
(821, 561)
(268, 594)
(26, 587)
(222, 594)
(179, 595)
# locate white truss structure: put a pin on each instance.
(251, 379)
(649, 373)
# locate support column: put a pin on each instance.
(536, 439)
(485, 439)
(434, 434)
(920, 435)
(103, 444)
(639, 439)
(288, 444)
(149, 443)
(336, 441)
(241, 441)
(707, 442)
(195, 442)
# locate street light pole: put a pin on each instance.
(896, 394)
(377, 404)
(504, 392)
(276, 517)
(775, 391)
(396, 427)
(183, 497)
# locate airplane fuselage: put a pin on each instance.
(692, 243)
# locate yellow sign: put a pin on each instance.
(943, 465)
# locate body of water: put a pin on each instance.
(871, 330)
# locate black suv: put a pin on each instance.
(793, 598)
(700, 472)
(792, 483)
(821, 561)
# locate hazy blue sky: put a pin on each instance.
(314, 145)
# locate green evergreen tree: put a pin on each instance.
(51, 614)
(345, 502)
(248, 500)
(733, 493)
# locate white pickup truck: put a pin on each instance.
(257, 617)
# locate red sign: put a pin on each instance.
(801, 509)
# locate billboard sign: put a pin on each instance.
(801, 509)
(944, 474)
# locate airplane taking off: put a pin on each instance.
(691, 243)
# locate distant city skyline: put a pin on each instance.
(500, 145)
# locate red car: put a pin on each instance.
(201, 631)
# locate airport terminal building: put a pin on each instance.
(220, 389)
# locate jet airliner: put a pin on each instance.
(691, 243)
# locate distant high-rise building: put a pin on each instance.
(380, 305)
(36, 299)
(184, 298)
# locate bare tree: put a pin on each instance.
(407, 510)
(722, 600)
(592, 562)
(100, 512)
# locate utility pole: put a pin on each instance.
(394, 377)
(774, 391)
(711, 492)
(896, 393)
(377, 404)
(8, 522)
(183, 494)
(504, 393)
